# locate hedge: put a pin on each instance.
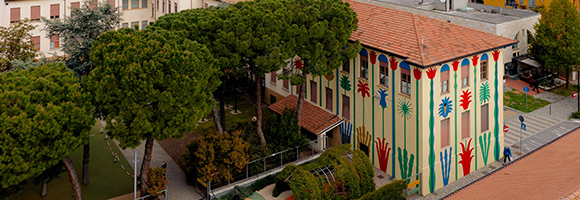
(393, 190)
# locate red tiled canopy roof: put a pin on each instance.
(313, 118)
(400, 33)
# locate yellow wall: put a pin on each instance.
(546, 3)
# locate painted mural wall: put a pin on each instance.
(398, 117)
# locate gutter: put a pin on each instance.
(331, 126)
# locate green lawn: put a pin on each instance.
(108, 179)
(562, 91)
(517, 100)
(248, 108)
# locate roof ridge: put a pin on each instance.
(418, 38)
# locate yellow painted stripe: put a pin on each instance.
(413, 183)
(506, 114)
(513, 113)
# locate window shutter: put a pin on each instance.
(14, 15)
(36, 42)
(465, 125)
(35, 12)
(328, 98)
(76, 5)
(484, 118)
(175, 7)
(345, 107)
(444, 132)
(273, 77)
(54, 10)
(112, 3)
(313, 95)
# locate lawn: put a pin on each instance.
(562, 91)
(517, 100)
(107, 179)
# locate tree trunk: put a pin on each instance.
(216, 120)
(43, 191)
(72, 174)
(145, 166)
(567, 76)
(86, 150)
(300, 102)
(259, 110)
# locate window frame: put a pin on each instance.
(405, 88)
(135, 4)
(328, 97)
(144, 24)
(35, 40)
(54, 11)
(484, 116)
(465, 125)
(444, 82)
(465, 75)
(384, 67)
(346, 67)
(273, 77)
(125, 4)
(446, 122)
(483, 70)
(32, 13)
(13, 14)
(133, 24)
(364, 67)
(313, 91)
(54, 42)
(345, 107)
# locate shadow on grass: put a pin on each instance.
(517, 100)
(107, 179)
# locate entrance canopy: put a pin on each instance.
(314, 119)
(531, 62)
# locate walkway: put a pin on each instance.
(519, 85)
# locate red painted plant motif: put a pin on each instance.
(495, 54)
(431, 72)
(417, 73)
(363, 88)
(299, 64)
(474, 60)
(373, 57)
(393, 63)
(383, 153)
(455, 65)
(466, 157)
(465, 99)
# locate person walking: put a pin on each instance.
(507, 153)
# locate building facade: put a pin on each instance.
(524, 4)
(422, 96)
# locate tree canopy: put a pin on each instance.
(44, 118)
(15, 43)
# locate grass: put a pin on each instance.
(247, 107)
(562, 91)
(107, 179)
(517, 100)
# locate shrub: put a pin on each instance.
(260, 184)
(576, 115)
(282, 131)
(281, 186)
(156, 181)
(393, 190)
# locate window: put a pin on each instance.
(346, 67)
(125, 4)
(384, 74)
(364, 67)
(36, 42)
(54, 42)
(444, 82)
(135, 25)
(484, 118)
(313, 93)
(144, 24)
(35, 13)
(328, 98)
(345, 107)
(483, 67)
(134, 4)
(444, 133)
(76, 5)
(529, 36)
(157, 4)
(125, 25)
(169, 7)
(406, 81)
(143, 3)
(54, 11)
(465, 125)
(273, 77)
(175, 7)
(272, 99)
(163, 5)
(286, 82)
(465, 75)
(14, 15)
(515, 46)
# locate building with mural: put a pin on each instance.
(524, 4)
(422, 96)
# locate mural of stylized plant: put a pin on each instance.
(496, 108)
(373, 57)
(455, 67)
(383, 103)
(465, 99)
(431, 74)
(445, 165)
(393, 63)
(345, 83)
(445, 107)
(484, 144)
(474, 61)
(406, 112)
(466, 157)
(417, 74)
(383, 153)
(346, 130)
(363, 89)
(484, 93)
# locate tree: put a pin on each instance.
(45, 117)
(78, 31)
(319, 34)
(15, 43)
(556, 43)
(150, 85)
(156, 181)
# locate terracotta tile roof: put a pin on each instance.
(400, 33)
(549, 173)
(314, 118)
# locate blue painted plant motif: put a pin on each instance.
(445, 165)
(383, 101)
(445, 107)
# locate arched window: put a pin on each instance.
(515, 46)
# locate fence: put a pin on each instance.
(265, 164)
(416, 184)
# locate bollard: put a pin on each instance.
(550, 109)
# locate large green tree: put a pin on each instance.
(150, 85)
(556, 43)
(15, 43)
(44, 118)
(77, 32)
(319, 34)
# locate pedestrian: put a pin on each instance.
(536, 86)
(507, 153)
(164, 165)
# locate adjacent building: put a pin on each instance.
(422, 96)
